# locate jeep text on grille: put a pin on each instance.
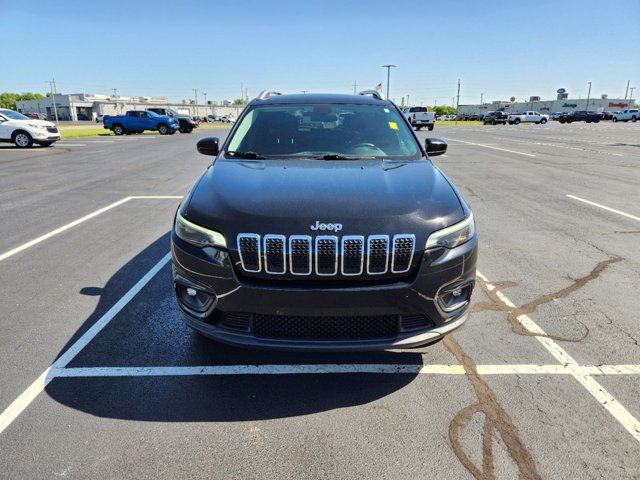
(350, 238)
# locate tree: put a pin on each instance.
(239, 101)
(8, 99)
(444, 110)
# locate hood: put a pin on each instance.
(287, 197)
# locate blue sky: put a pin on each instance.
(162, 48)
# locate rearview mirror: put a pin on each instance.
(209, 146)
(435, 146)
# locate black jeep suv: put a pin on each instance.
(322, 224)
(493, 118)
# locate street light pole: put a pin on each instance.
(631, 96)
(588, 95)
(355, 86)
(205, 100)
(481, 95)
(388, 67)
(195, 91)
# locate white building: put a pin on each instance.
(548, 106)
(85, 106)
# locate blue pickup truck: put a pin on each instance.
(137, 121)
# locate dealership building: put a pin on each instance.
(560, 104)
(87, 106)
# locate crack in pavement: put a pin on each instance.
(513, 313)
(496, 419)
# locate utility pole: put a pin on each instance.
(588, 95)
(115, 96)
(388, 67)
(52, 86)
(481, 95)
(355, 86)
(407, 99)
(627, 90)
(205, 101)
(458, 102)
(631, 96)
(195, 91)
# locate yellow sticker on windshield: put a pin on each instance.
(393, 125)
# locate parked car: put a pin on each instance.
(36, 115)
(82, 117)
(212, 118)
(226, 119)
(137, 121)
(397, 247)
(554, 115)
(528, 117)
(580, 116)
(626, 115)
(494, 118)
(420, 117)
(23, 131)
(186, 122)
(607, 115)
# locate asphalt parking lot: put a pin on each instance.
(101, 379)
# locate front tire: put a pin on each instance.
(543, 121)
(163, 129)
(516, 121)
(615, 120)
(634, 119)
(430, 127)
(22, 139)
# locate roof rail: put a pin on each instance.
(375, 93)
(266, 94)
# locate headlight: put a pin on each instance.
(32, 125)
(197, 235)
(454, 235)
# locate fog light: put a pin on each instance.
(453, 299)
(195, 299)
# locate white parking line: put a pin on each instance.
(222, 370)
(615, 408)
(604, 208)
(72, 144)
(52, 233)
(494, 148)
(25, 399)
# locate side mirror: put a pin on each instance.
(435, 146)
(209, 146)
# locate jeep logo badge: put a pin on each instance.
(336, 227)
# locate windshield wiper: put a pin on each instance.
(337, 156)
(250, 155)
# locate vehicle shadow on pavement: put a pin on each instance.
(149, 332)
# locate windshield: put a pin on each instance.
(323, 131)
(13, 115)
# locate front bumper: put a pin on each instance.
(211, 270)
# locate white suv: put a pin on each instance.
(24, 131)
(626, 115)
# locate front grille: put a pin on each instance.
(326, 255)
(378, 253)
(52, 129)
(325, 328)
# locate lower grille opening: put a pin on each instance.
(325, 328)
(322, 328)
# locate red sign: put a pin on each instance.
(619, 104)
